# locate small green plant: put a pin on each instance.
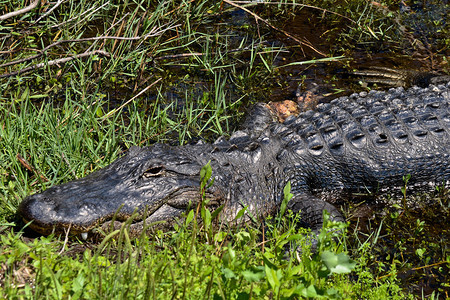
(406, 178)
(303, 274)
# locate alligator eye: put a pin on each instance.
(153, 171)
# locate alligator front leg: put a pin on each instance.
(311, 209)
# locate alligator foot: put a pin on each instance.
(311, 209)
(404, 78)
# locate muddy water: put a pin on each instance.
(382, 55)
(411, 50)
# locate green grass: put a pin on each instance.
(194, 261)
(176, 71)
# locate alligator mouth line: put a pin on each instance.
(163, 216)
(162, 211)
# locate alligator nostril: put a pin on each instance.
(46, 200)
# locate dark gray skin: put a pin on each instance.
(356, 144)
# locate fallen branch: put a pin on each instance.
(300, 41)
(20, 11)
(56, 61)
(298, 4)
(50, 10)
(95, 38)
(30, 168)
(61, 42)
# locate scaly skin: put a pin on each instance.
(354, 144)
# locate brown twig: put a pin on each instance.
(258, 18)
(20, 11)
(118, 33)
(50, 10)
(66, 239)
(180, 55)
(87, 11)
(415, 269)
(61, 42)
(186, 55)
(432, 265)
(107, 31)
(55, 62)
(15, 62)
(178, 8)
(30, 168)
(298, 4)
(143, 63)
(95, 38)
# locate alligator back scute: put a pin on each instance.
(403, 118)
(354, 134)
(334, 138)
(372, 138)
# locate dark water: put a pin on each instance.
(419, 47)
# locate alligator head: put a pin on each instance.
(157, 183)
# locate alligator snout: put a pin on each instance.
(36, 208)
(50, 213)
(138, 184)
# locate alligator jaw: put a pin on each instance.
(164, 211)
(166, 215)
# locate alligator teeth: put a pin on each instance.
(84, 235)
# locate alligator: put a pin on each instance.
(362, 143)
